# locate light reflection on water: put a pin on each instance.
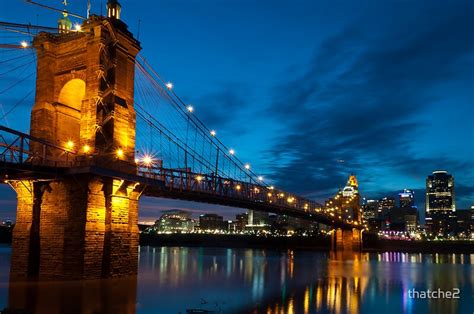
(173, 279)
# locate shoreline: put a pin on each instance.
(371, 244)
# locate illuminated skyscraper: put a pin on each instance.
(440, 203)
(440, 192)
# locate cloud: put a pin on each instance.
(364, 98)
(220, 109)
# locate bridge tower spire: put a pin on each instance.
(82, 223)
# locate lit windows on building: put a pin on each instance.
(440, 191)
(440, 205)
(175, 220)
(406, 198)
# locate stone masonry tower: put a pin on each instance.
(81, 224)
(84, 90)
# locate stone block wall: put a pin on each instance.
(75, 228)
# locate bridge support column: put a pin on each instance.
(346, 240)
(74, 228)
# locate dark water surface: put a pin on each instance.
(174, 279)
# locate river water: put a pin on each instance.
(176, 279)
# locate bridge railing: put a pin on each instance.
(21, 148)
(184, 180)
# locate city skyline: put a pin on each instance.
(379, 105)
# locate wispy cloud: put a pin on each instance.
(364, 98)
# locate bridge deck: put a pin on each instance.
(179, 184)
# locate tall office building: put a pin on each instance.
(440, 192)
(440, 204)
(406, 198)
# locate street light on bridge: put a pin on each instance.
(70, 145)
(119, 153)
(147, 160)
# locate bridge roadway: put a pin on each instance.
(16, 162)
(182, 185)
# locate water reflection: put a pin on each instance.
(174, 279)
(91, 296)
(239, 280)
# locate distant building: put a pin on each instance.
(440, 204)
(370, 212)
(464, 223)
(386, 204)
(175, 220)
(347, 201)
(440, 192)
(406, 198)
(241, 221)
(212, 222)
(403, 219)
(257, 220)
(370, 209)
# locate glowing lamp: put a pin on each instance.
(119, 153)
(147, 160)
(70, 144)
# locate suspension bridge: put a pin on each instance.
(105, 130)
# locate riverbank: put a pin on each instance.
(236, 241)
(370, 243)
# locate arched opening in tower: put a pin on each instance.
(68, 113)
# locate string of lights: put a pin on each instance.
(186, 110)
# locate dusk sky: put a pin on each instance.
(307, 91)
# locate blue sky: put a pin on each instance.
(310, 91)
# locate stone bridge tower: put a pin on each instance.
(84, 90)
(346, 205)
(81, 224)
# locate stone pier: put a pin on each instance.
(80, 227)
(343, 239)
